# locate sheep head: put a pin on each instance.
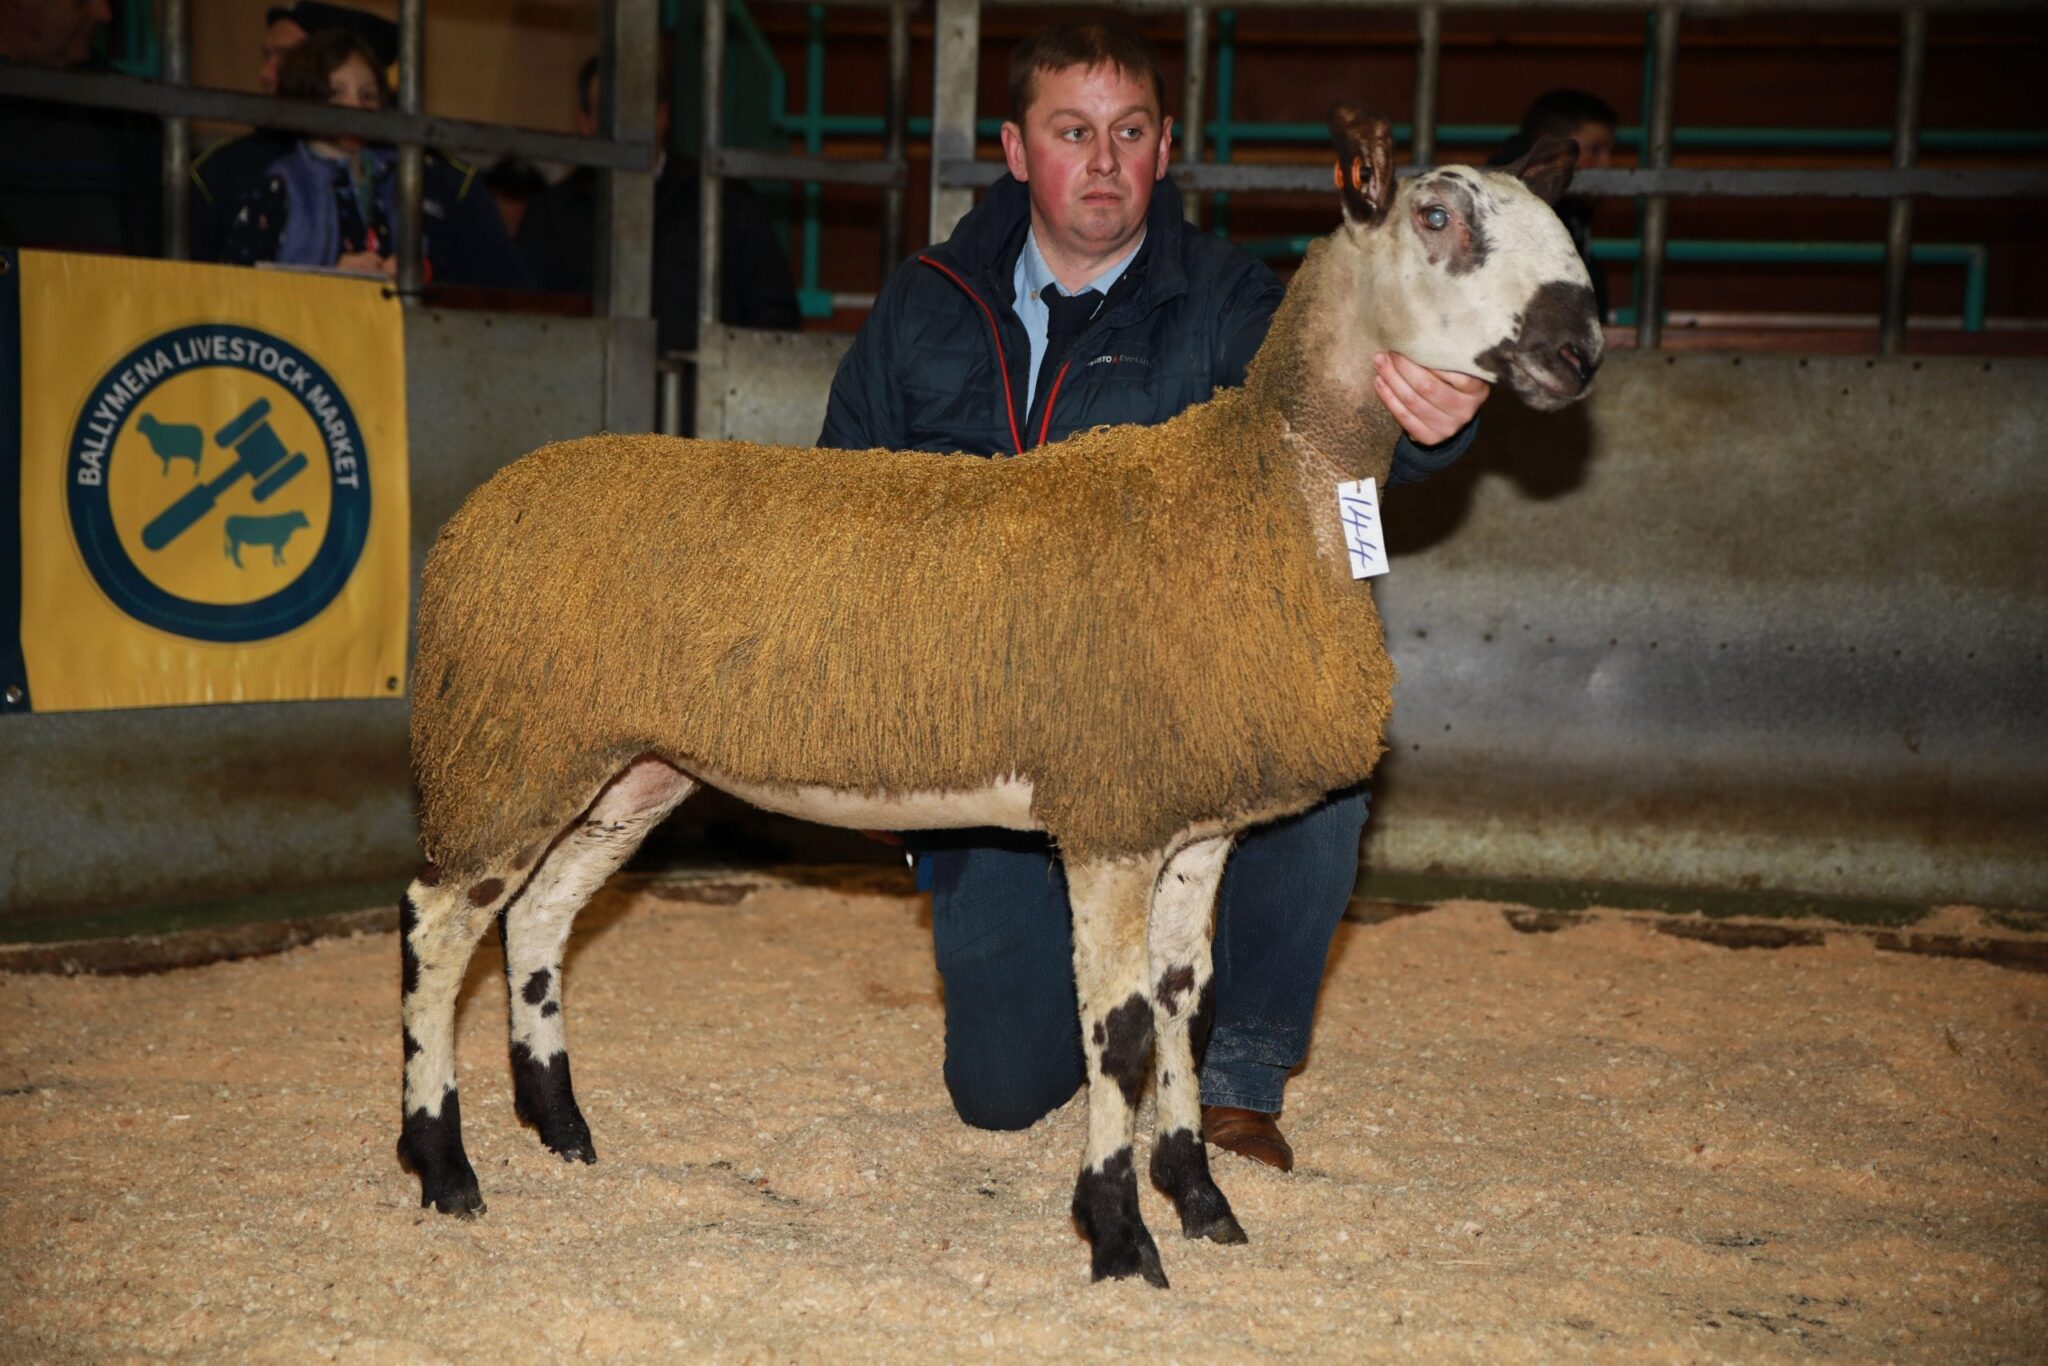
(1472, 270)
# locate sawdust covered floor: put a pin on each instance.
(1600, 1142)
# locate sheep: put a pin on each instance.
(1140, 641)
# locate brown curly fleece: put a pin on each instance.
(1137, 620)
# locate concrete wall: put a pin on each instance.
(1737, 621)
(1757, 622)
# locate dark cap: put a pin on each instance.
(312, 15)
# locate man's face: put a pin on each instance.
(280, 38)
(1092, 146)
(1596, 144)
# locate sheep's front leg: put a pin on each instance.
(1111, 899)
(438, 926)
(535, 928)
(1183, 915)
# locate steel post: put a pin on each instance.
(177, 166)
(1898, 232)
(628, 46)
(412, 49)
(1656, 215)
(1194, 94)
(956, 58)
(1429, 31)
(896, 132)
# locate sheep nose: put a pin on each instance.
(1576, 359)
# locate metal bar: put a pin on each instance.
(629, 43)
(711, 218)
(1656, 214)
(754, 164)
(1898, 232)
(814, 142)
(1429, 31)
(1226, 101)
(1681, 182)
(1700, 7)
(177, 166)
(103, 90)
(411, 155)
(895, 145)
(1194, 81)
(1629, 135)
(668, 411)
(956, 55)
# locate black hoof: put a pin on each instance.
(1122, 1258)
(460, 1196)
(1180, 1169)
(431, 1148)
(1106, 1207)
(1224, 1228)
(574, 1145)
(543, 1098)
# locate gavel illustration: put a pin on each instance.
(258, 454)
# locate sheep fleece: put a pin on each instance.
(1134, 619)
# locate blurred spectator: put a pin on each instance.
(559, 237)
(328, 201)
(286, 26)
(467, 243)
(70, 177)
(333, 201)
(226, 171)
(1589, 121)
(514, 185)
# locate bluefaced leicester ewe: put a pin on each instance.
(1140, 641)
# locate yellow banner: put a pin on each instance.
(213, 485)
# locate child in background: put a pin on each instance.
(328, 201)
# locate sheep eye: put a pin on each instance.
(1436, 218)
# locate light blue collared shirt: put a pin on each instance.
(1033, 275)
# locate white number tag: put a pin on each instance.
(1358, 512)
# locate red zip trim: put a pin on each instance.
(1002, 362)
(1045, 422)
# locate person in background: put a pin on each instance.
(73, 178)
(328, 201)
(559, 237)
(467, 243)
(1083, 250)
(514, 185)
(227, 170)
(1591, 122)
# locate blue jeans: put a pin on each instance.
(1003, 936)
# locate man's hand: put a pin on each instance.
(1431, 405)
(369, 263)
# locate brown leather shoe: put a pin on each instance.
(1248, 1133)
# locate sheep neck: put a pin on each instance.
(1315, 370)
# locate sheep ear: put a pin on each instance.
(1365, 164)
(1547, 167)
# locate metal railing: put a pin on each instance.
(624, 152)
(957, 173)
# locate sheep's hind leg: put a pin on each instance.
(1183, 913)
(535, 927)
(438, 926)
(1111, 900)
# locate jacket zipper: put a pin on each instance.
(1052, 397)
(1002, 362)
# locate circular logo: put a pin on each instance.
(217, 484)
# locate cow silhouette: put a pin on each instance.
(173, 441)
(272, 531)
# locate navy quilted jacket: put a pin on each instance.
(940, 363)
